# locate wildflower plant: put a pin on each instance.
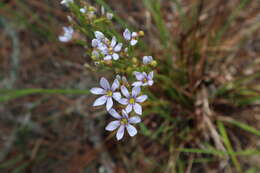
(112, 51)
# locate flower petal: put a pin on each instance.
(112, 125)
(115, 56)
(100, 101)
(127, 34)
(125, 92)
(118, 47)
(113, 42)
(136, 91)
(99, 35)
(123, 101)
(138, 108)
(117, 96)
(150, 82)
(141, 98)
(104, 83)
(115, 85)
(134, 34)
(133, 42)
(137, 84)
(139, 75)
(108, 57)
(109, 103)
(131, 130)
(147, 59)
(129, 108)
(125, 113)
(97, 91)
(150, 76)
(134, 120)
(95, 42)
(114, 113)
(120, 132)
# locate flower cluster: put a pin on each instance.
(124, 97)
(121, 95)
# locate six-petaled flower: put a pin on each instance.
(143, 79)
(123, 122)
(68, 33)
(109, 93)
(132, 99)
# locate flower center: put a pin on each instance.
(124, 121)
(109, 93)
(131, 100)
(145, 80)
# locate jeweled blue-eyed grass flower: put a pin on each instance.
(132, 99)
(132, 37)
(122, 122)
(68, 33)
(147, 60)
(66, 2)
(109, 93)
(113, 48)
(143, 79)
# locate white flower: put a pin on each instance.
(147, 59)
(130, 37)
(109, 16)
(143, 79)
(68, 33)
(66, 2)
(83, 10)
(113, 49)
(123, 122)
(132, 100)
(107, 92)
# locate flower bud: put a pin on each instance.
(141, 33)
(154, 63)
(134, 60)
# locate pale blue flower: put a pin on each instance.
(109, 93)
(132, 99)
(123, 122)
(68, 33)
(132, 37)
(143, 79)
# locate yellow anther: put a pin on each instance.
(154, 63)
(109, 93)
(124, 121)
(131, 100)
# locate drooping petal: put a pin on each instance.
(118, 47)
(131, 130)
(64, 38)
(117, 96)
(133, 42)
(125, 92)
(97, 91)
(129, 108)
(100, 101)
(113, 125)
(114, 113)
(123, 101)
(115, 85)
(138, 108)
(137, 84)
(127, 34)
(136, 91)
(139, 75)
(99, 35)
(113, 42)
(141, 98)
(104, 83)
(120, 132)
(115, 56)
(109, 103)
(134, 120)
(108, 57)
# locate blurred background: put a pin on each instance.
(47, 131)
